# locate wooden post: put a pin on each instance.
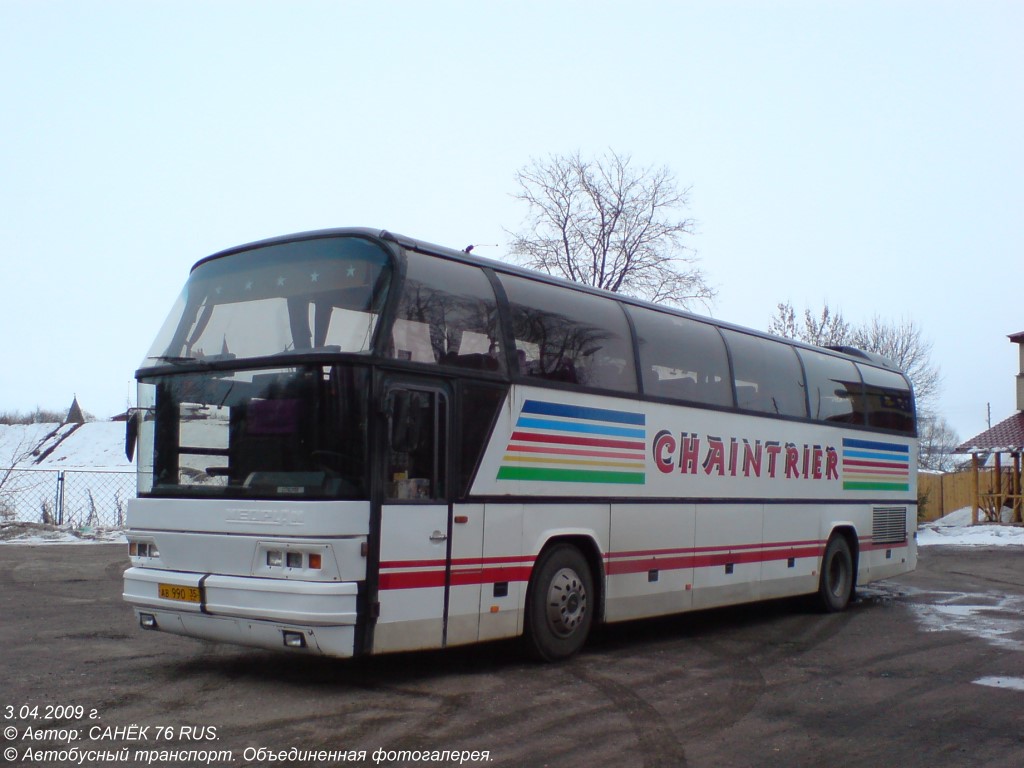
(1018, 501)
(998, 503)
(977, 489)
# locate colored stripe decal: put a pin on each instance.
(870, 444)
(581, 412)
(548, 474)
(536, 437)
(870, 465)
(560, 443)
(571, 451)
(581, 462)
(592, 429)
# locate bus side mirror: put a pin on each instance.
(131, 434)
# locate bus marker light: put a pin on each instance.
(142, 549)
(314, 560)
(495, 609)
(147, 621)
(294, 639)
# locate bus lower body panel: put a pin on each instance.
(263, 613)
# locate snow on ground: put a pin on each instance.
(38, 533)
(955, 530)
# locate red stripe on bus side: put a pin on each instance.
(721, 548)
(694, 560)
(440, 562)
(530, 437)
(427, 579)
(880, 464)
(466, 571)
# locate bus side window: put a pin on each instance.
(768, 375)
(834, 388)
(889, 400)
(681, 359)
(447, 315)
(570, 336)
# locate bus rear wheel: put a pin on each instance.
(559, 608)
(835, 585)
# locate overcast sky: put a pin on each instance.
(867, 154)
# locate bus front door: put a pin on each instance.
(415, 523)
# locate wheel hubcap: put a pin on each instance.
(567, 602)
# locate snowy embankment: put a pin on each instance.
(98, 445)
(82, 465)
(955, 529)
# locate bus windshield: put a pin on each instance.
(300, 297)
(264, 433)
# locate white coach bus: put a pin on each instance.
(351, 442)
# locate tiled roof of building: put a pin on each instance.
(1006, 436)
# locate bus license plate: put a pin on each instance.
(175, 592)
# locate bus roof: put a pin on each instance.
(422, 246)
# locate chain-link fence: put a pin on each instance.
(75, 498)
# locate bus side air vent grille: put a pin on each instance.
(889, 525)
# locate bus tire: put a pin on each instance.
(835, 585)
(559, 604)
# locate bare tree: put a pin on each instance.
(903, 343)
(938, 445)
(13, 482)
(827, 329)
(610, 225)
(38, 416)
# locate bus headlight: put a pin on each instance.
(295, 560)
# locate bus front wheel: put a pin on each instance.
(835, 586)
(559, 608)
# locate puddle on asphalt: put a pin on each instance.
(996, 618)
(1006, 683)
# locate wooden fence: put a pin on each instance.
(938, 495)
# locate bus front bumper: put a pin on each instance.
(263, 613)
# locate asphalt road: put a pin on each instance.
(897, 680)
